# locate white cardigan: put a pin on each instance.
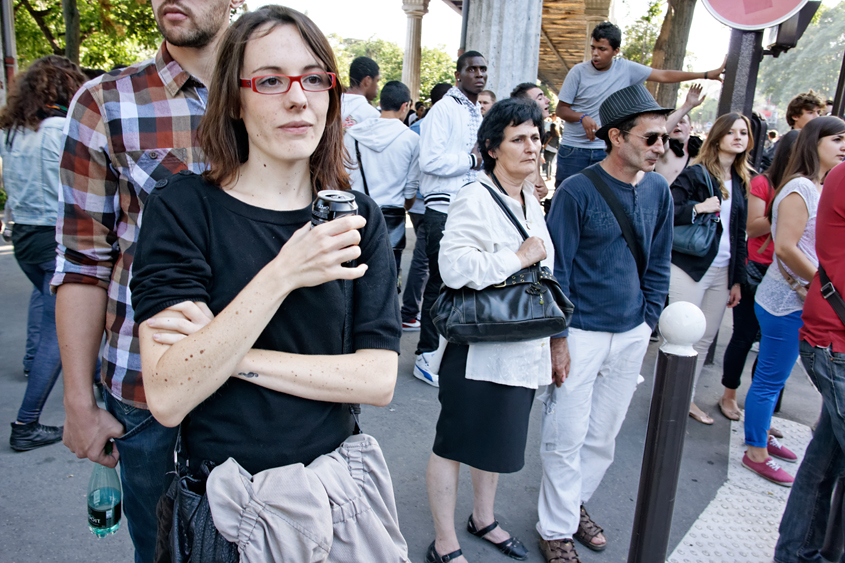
(478, 250)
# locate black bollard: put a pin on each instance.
(682, 324)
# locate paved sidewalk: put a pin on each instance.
(42, 496)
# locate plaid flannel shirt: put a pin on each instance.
(125, 131)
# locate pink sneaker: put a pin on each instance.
(778, 450)
(769, 470)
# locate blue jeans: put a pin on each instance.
(146, 456)
(802, 529)
(778, 352)
(47, 363)
(417, 273)
(572, 160)
(33, 324)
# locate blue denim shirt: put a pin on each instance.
(593, 264)
(31, 172)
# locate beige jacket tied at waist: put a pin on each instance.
(340, 508)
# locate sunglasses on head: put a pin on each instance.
(652, 138)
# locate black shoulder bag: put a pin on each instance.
(528, 305)
(831, 295)
(394, 217)
(621, 218)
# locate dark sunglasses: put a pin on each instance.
(652, 138)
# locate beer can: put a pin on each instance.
(332, 204)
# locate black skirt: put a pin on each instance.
(482, 424)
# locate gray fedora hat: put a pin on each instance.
(624, 104)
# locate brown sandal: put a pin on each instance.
(587, 530)
(559, 551)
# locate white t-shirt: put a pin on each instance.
(723, 258)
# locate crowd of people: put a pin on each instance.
(229, 312)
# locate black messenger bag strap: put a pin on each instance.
(621, 218)
(831, 295)
(361, 167)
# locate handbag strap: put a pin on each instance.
(831, 295)
(507, 211)
(707, 179)
(361, 168)
(621, 218)
(348, 290)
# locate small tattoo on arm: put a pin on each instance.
(248, 374)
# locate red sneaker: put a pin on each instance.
(778, 450)
(769, 470)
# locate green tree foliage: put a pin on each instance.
(112, 32)
(814, 63)
(639, 37)
(436, 64)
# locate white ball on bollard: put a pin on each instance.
(682, 324)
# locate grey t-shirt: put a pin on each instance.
(585, 88)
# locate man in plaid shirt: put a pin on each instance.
(126, 131)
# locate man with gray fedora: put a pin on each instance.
(611, 226)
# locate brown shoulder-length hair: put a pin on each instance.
(804, 161)
(222, 134)
(43, 90)
(709, 153)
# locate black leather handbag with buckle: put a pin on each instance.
(528, 305)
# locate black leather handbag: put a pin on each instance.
(526, 306)
(697, 238)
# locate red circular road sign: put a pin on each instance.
(753, 14)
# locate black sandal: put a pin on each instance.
(432, 557)
(511, 547)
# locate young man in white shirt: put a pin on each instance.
(449, 159)
(356, 103)
(387, 155)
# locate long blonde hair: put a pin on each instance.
(709, 154)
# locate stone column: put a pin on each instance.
(507, 33)
(415, 9)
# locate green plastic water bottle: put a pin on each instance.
(104, 496)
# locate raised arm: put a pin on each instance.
(667, 76)
(693, 99)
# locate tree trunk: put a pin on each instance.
(670, 53)
(71, 14)
(659, 52)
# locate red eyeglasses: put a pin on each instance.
(279, 83)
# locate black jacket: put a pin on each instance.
(690, 188)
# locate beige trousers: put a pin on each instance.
(711, 295)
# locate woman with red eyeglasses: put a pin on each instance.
(243, 308)
(715, 186)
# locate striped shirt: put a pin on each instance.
(125, 131)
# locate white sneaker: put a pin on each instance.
(423, 371)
